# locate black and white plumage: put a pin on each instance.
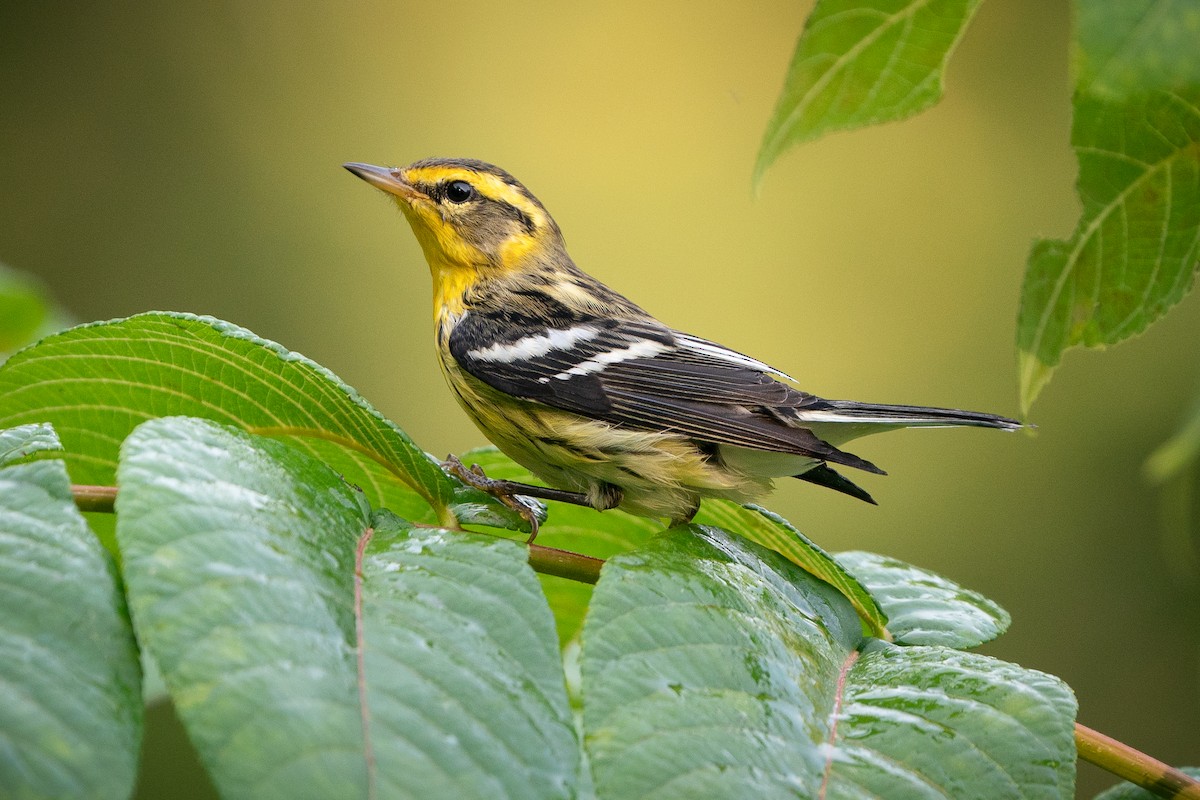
(591, 393)
(641, 374)
(637, 373)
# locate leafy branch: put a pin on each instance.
(1136, 134)
(1094, 747)
(317, 593)
(253, 584)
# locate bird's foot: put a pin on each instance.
(507, 492)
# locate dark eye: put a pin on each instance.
(459, 191)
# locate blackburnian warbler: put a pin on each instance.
(588, 391)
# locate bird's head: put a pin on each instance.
(469, 216)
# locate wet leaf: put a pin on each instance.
(715, 668)
(462, 672)
(570, 527)
(929, 722)
(775, 533)
(19, 443)
(70, 696)
(293, 626)
(239, 563)
(924, 608)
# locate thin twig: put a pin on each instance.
(94, 498)
(547, 560)
(1134, 766)
(565, 564)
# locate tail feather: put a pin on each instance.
(823, 475)
(851, 411)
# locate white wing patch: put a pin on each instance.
(645, 348)
(535, 346)
(714, 350)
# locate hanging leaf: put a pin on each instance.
(862, 62)
(1179, 453)
(1136, 134)
(26, 312)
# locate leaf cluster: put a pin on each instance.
(1135, 132)
(333, 615)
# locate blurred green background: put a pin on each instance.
(186, 156)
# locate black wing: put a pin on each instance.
(641, 374)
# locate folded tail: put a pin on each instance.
(852, 412)
(839, 421)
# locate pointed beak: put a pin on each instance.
(384, 179)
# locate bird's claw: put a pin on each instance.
(476, 478)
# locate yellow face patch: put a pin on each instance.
(454, 261)
(444, 248)
(486, 184)
(470, 235)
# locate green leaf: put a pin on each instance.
(715, 668)
(314, 649)
(699, 657)
(97, 382)
(239, 563)
(19, 443)
(463, 677)
(1177, 454)
(1128, 791)
(930, 722)
(1172, 467)
(775, 533)
(1136, 134)
(862, 62)
(924, 608)
(70, 701)
(23, 309)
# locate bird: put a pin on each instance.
(593, 395)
